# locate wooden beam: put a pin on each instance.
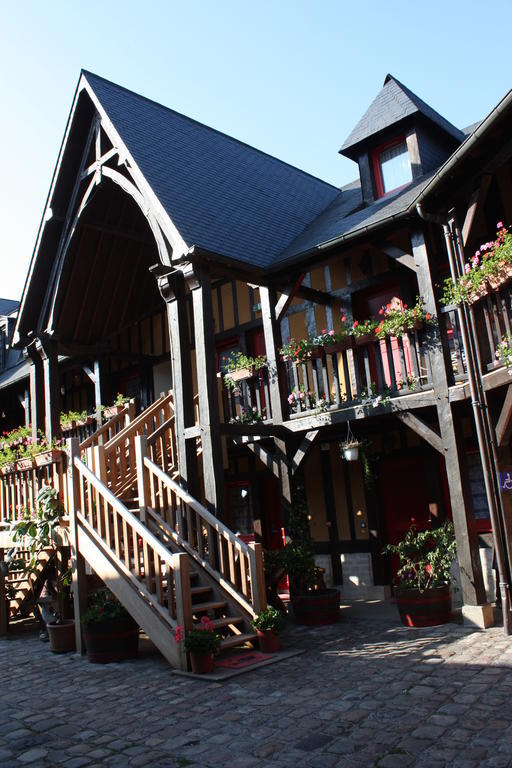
(422, 429)
(504, 424)
(115, 232)
(397, 254)
(265, 457)
(477, 200)
(287, 297)
(303, 449)
(47, 348)
(36, 389)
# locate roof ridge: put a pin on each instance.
(208, 127)
(417, 101)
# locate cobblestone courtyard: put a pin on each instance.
(365, 692)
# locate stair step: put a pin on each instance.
(234, 640)
(196, 591)
(226, 621)
(211, 606)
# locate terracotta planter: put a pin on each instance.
(62, 636)
(48, 457)
(479, 293)
(113, 410)
(22, 464)
(241, 374)
(68, 427)
(6, 469)
(111, 641)
(201, 663)
(317, 608)
(424, 609)
(268, 641)
(339, 346)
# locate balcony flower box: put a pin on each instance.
(51, 456)
(364, 339)
(6, 469)
(241, 374)
(339, 346)
(24, 464)
(112, 410)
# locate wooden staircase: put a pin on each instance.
(22, 590)
(164, 555)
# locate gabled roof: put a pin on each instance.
(7, 306)
(391, 105)
(221, 194)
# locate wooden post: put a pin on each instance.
(48, 351)
(468, 554)
(206, 366)
(36, 390)
(184, 618)
(79, 579)
(257, 571)
(144, 491)
(4, 603)
(272, 332)
(172, 289)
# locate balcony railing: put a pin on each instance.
(248, 401)
(493, 320)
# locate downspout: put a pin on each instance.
(484, 427)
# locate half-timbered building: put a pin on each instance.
(166, 247)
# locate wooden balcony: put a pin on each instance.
(367, 377)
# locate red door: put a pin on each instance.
(404, 498)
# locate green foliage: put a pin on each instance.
(398, 318)
(297, 350)
(248, 416)
(19, 444)
(426, 557)
(269, 619)
(121, 399)
(67, 418)
(504, 351)
(363, 327)
(298, 557)
(202, 641)
(237, 361)
(485, 266)
(103, 607)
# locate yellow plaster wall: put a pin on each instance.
(315, 496)
(228, 310)
(243, 301)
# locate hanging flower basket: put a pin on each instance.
(350, 446)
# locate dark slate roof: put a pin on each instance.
(393, 103)
(220, 193)
(7, 306)
(346, 216)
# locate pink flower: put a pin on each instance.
(355, 323)
(476, 261)
(499, 225)
(466, 268)
(324, 330)
(477, 254)
(381, 311)
(343, 319)
(331, 333)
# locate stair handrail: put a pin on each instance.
(250, 591)
(128, 409)
(132, 427)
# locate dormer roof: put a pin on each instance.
(393, 104)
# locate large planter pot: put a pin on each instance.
(111, 641)
(201, 663)
(62, 636)
(51, 456)
(424, 609)
(317, 608)
(268, 641)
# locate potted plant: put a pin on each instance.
(350, 446)
(423, 594)
(115, 409)
(201, 643)
(110, 633)
(504, 352)
(239, 367)
(398, 319)
(363, 332)
(333, 341)
(268, 625)
(300, 351)
(37, 533)
(312, 603)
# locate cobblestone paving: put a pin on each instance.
(365, 693)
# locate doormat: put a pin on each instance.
(243, 659)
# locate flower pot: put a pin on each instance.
(316, 353)
(22, 464)
(351, 454)
(339, 346)
(48, 457)
(112, 410)
(268, 641)
(110, 641)
(502, 278)
(6, 469)
(364, 339)
(201, 663)
(424, 609)
(317, 608)
(480, 292)
(241, 374)
(68, 427)
(62, 636)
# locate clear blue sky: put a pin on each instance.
(287, 76)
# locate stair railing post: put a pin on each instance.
(4, 603)
(79, 581)
(143, 487)
(257, 571)
(183, 596)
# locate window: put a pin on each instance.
(391, 166)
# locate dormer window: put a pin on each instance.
(391, 166)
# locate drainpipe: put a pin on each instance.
(486, 438)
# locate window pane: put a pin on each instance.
(395, 167)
